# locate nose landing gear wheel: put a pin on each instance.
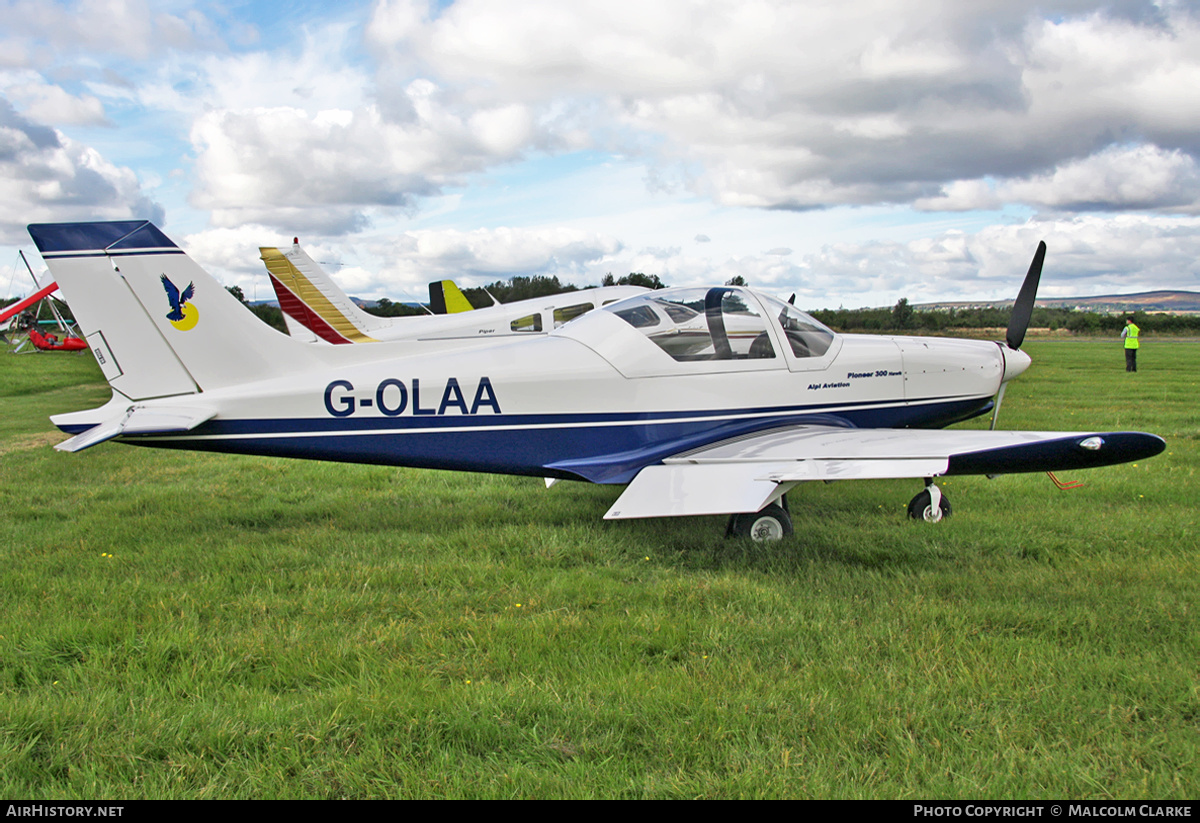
(921, 508)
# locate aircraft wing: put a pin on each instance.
(747, 473)
(20, 306)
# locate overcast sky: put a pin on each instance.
(852, 151)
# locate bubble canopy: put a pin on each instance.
(722, 323)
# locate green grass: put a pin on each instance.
(191, 625)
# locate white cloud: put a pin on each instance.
(793, 106)
(232, 254)
(130, 28)
(267, 164)
(50, 104)
(1137, 177)
(47, 177)
(485, 255)
(1116, 178)
(340, 126)
(1086, 255)
(393, 265)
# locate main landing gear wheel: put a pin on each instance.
(771, 524)
(921, 508)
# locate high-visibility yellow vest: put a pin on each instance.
(1131, 336)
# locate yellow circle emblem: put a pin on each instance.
(191, 316)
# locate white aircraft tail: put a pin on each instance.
(158, 324)
(310, 299)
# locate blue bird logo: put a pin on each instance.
(183, 315)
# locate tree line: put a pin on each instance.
(904, 317)
(527, 288)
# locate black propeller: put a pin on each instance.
(1023, 308)
(1022, 311)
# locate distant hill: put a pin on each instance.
(1177, 302)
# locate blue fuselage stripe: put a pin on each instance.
(602, 448)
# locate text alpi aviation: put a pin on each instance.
(702, 401)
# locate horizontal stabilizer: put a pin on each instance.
(138, 420)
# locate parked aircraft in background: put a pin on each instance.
(704, 401)
(317, 310)
(23, 317)
(12, 310)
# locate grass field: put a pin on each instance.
(178, 625)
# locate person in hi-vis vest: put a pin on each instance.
(1130, 335)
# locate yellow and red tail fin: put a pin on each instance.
(311, 301)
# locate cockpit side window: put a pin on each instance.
(566, 314)
(806, 335)
(529, 323)
(678, 314)
(639, 317)
(744, 327)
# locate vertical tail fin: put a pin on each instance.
(445, 298)
(309, 297)
(158, 324)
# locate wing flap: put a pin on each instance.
(676, 490)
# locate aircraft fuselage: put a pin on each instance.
(586, 402)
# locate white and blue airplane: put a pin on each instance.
(701, 401)
(316, 310)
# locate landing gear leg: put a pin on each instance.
(930, 505)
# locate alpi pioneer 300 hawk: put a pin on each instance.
(702, 401)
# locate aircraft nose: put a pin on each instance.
(1015, 362)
